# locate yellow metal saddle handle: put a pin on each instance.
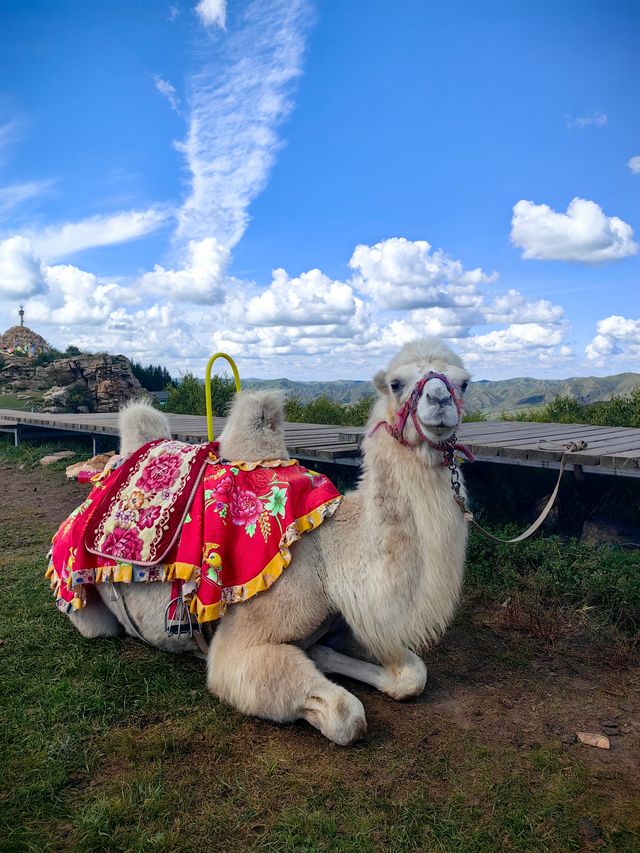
(207, 387)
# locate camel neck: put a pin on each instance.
(399, 477)
(409, 550)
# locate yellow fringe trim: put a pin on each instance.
(272, 571)
(123, 572)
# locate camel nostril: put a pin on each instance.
(439, 401)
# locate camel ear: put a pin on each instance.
(380, 382)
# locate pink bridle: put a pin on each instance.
(409, 409)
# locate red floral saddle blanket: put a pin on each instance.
(175, 511)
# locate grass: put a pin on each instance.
(113, 746)
(28, 454)
(559, 571)
(21, 403)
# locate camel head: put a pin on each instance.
(432, 416)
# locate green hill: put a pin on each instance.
(510, 395)
(340, 390)
(492, 397)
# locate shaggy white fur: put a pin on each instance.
(389, 563)
(138, 423)
(255, 427)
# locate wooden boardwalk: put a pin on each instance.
(610, 450)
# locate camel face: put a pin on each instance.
(436, 410)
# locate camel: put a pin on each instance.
(366, 592)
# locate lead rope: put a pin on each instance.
(118, 599)
(566, 447)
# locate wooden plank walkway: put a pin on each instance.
(610, 450)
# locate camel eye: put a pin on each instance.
(396, 385)
(464, 386)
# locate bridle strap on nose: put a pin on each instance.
(409, 409)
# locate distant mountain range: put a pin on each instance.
(505, 395)
(340, 390)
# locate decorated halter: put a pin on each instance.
(409, 409)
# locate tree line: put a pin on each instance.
(153, 377)
(619, 410)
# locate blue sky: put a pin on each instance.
(310, 185)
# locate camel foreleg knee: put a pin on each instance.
(278, 682)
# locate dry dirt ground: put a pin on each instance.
(485, 759)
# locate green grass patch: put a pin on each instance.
(561, 571)
(620, 410)
(21, 403)
(30, 452)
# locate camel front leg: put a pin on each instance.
(277, 681)
(402, 680)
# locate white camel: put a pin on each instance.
(365, 592)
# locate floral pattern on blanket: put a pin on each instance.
(140, 514)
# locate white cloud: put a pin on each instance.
(517, 347)
(512, 307)
(212, 12)
(77, 297)
(508, 308)
(168, 91)
(275, 344)
(594, 120)
(518, 337)
(157, 333)
(60, 241)
(310, 299)
(16, 194)
(616, 337)
(237, 102)
(21, 273)
(202, 279)
(634, 164)
(445, 322)
(511, 360)
(584, 233)
(297, 325)
(400, 273)
(312, 315)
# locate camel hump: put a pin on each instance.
(255, 427)
(140, 423)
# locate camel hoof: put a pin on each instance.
(340, 716)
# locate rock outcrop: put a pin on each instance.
(83, 383)
(22, 340)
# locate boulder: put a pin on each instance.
(55, 399)
(93, 383)
(56, 457)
